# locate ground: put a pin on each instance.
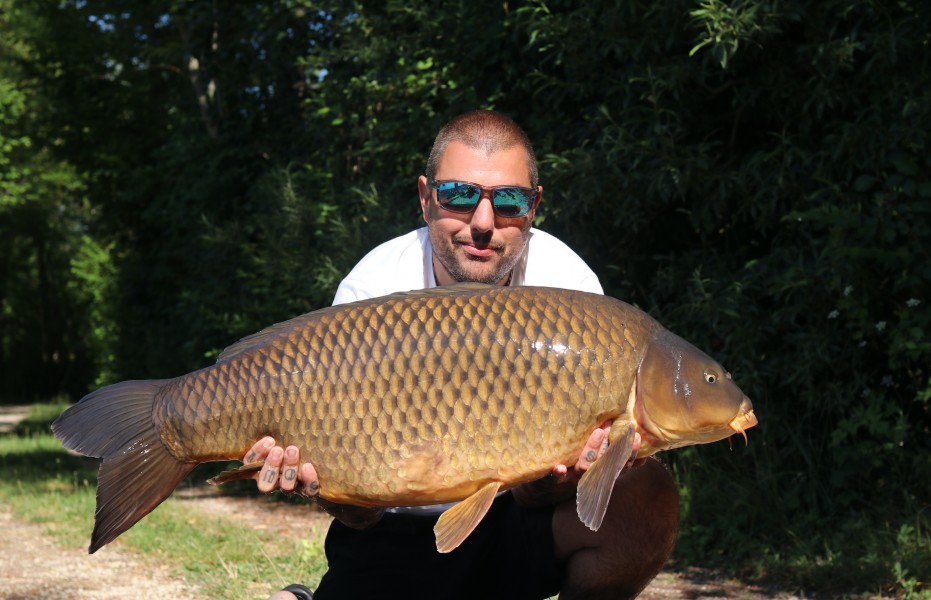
(33, 566)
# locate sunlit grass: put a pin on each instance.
(41, 482)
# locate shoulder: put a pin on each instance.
(395, 265)
(552, 263)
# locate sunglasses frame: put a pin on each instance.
(483, 191)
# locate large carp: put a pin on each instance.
(416, 398)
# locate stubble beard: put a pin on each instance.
(464, 268)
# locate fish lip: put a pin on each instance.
(744, 420)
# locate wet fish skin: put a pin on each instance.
(381, 395)
(414, 398)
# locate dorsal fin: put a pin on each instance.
(456, 288)
(267, 335)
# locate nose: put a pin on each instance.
(483, 220)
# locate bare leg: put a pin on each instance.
(635, 540)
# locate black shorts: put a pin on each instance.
(509, 555)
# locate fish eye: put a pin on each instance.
(711, 376)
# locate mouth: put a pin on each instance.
(742, 422)
(478, 250)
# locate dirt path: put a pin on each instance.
(33, 566)
(10, 416)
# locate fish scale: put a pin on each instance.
(425, 373)
(414, 398)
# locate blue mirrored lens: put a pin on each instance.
(512, 202)
(460, 196)
(456, 195)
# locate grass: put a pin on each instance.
(42, 483)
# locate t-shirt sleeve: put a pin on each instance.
(551, 263)
(348, 291)
(395, 266)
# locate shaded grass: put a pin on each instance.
(893, 556)
(42, 483)
(875, 552)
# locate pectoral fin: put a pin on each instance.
(244, 472)
(457, 523)
(597, 483)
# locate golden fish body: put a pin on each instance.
(419, 398)
(415, 398)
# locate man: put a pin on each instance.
(478, 198)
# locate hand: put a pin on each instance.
(281, 471)
(594, 449)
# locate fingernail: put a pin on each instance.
(268, 442)
(291, 453)
(275, 454)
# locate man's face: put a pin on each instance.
(477, 246)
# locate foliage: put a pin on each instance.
(46, 307)
(754, 173)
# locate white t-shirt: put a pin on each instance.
(406, 263)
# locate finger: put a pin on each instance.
(311, 485)
(268, 476)
(560, 473)
(591, 450)
(288, 479)
(259, 450)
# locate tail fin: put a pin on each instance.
(115, 423)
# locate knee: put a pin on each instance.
(646, 508)
(652, 486)
(636, 538)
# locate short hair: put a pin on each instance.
(485, 130)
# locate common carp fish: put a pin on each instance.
(416, 398)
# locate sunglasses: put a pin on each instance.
(508, 201)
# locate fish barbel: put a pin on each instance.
(416, 398)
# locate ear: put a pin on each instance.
(423, 189)
(537, 201)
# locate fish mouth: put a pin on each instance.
(743, 421)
